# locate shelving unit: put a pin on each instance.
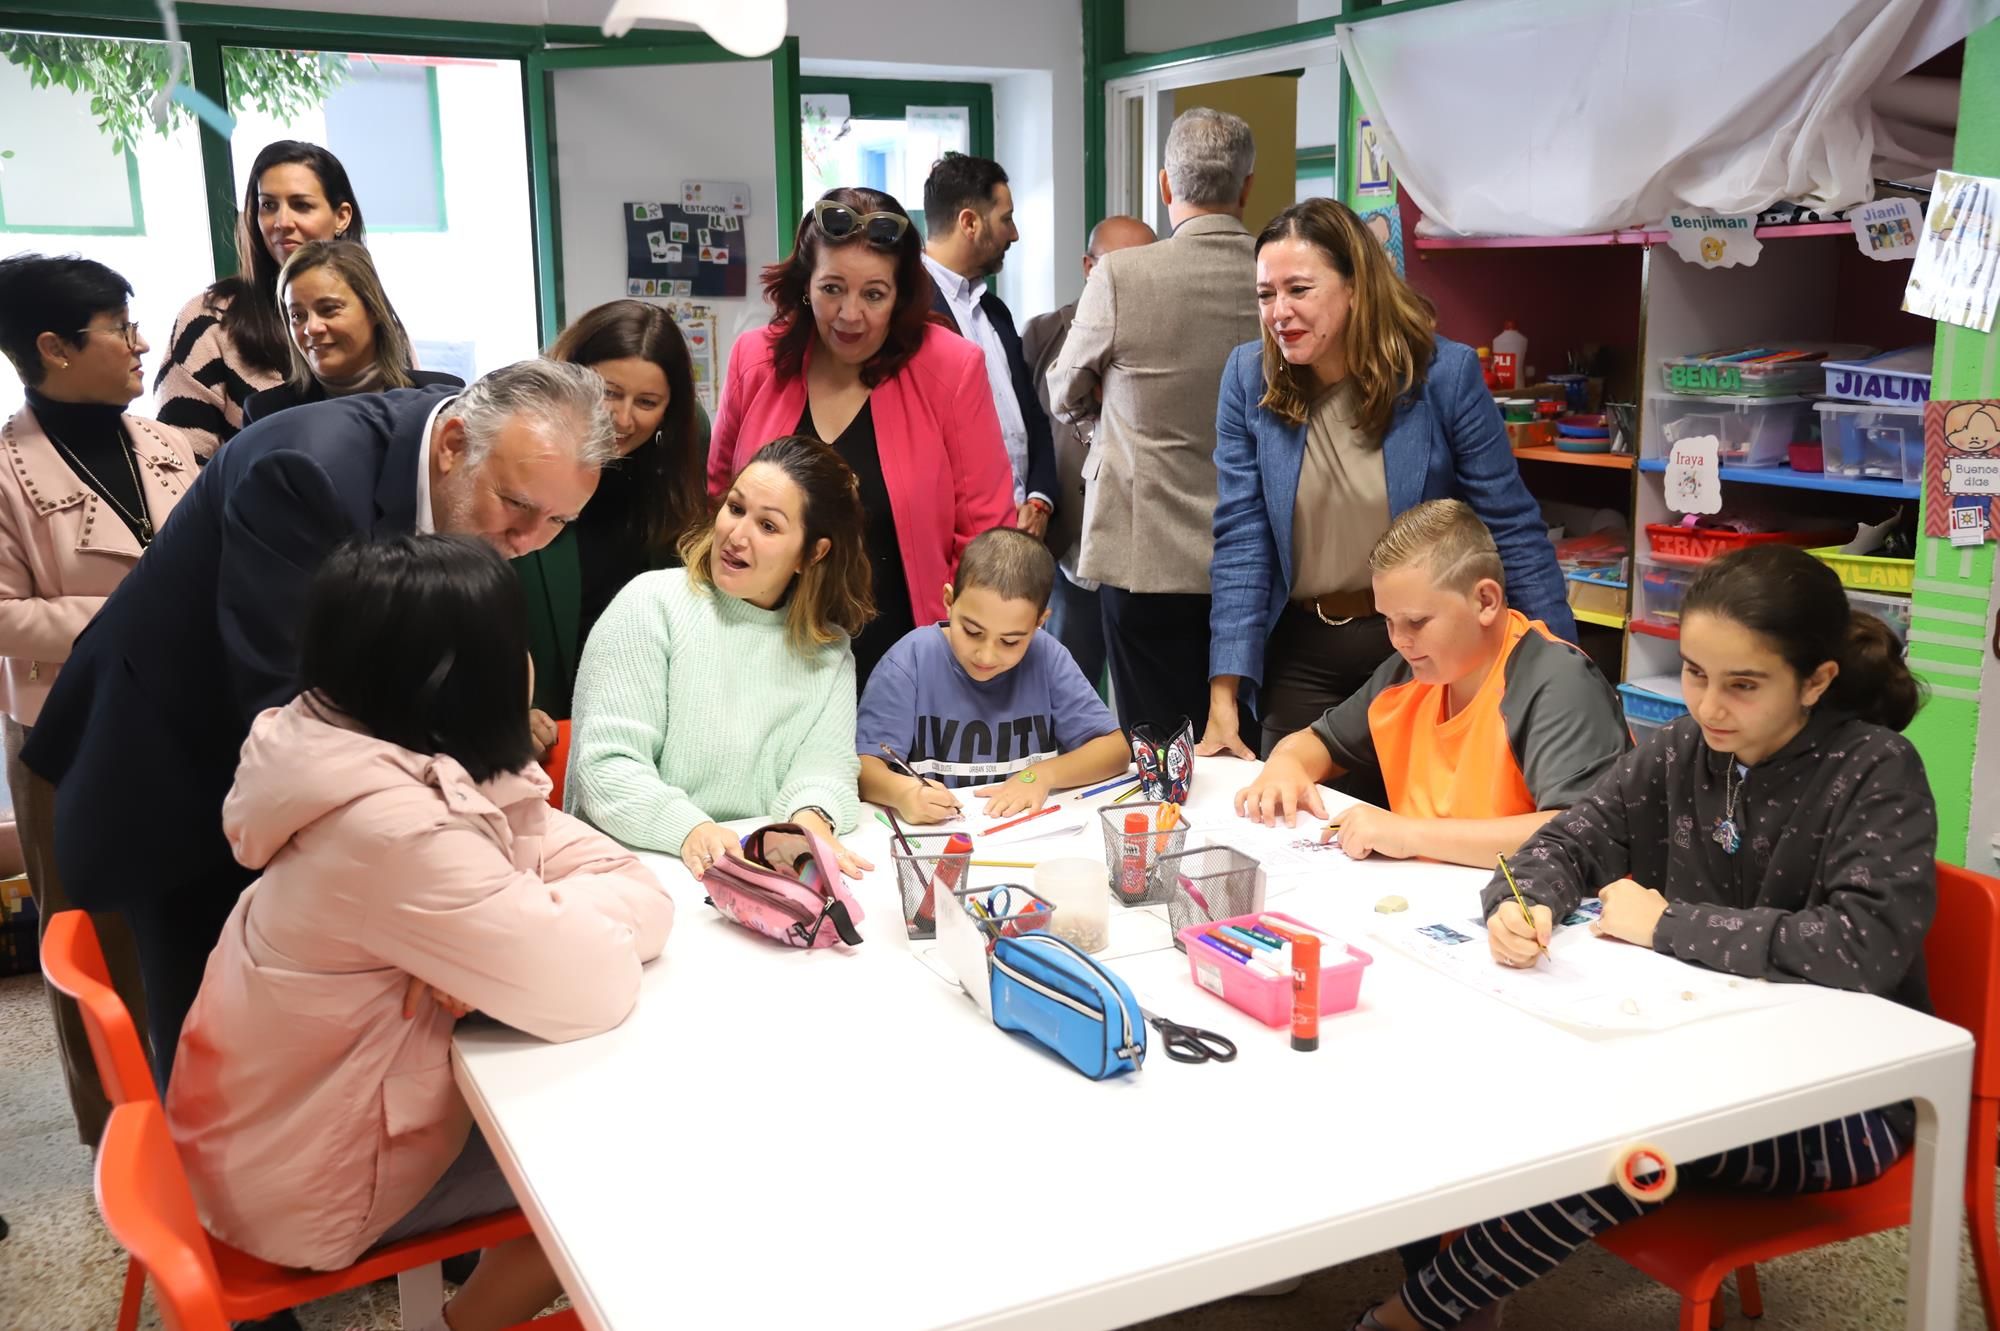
(1624, 290)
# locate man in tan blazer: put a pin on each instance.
(1074, 617)
(1153, 330)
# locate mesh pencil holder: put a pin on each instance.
(925, 870)
(1206, 884)
(1130, 855)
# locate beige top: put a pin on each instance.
(1343, 503)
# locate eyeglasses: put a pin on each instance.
(837, 221)
(127, 330)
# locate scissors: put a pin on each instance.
(1192, 1044)
(997, 905)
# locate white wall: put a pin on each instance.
(616, 144)
(1166, 25)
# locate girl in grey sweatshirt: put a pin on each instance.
(1784, 829)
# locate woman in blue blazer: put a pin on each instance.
(1349, 409)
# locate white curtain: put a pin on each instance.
(1550, 117)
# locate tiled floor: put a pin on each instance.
(59, 1270)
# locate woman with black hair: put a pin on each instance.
(411, 871)
(645, 501)
(1782, 830)
(87, 488)
(231, 341)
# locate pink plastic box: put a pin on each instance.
(1270, 1000)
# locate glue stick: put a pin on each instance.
(1305, 992)
(1132, 865)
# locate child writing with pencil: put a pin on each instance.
(1784, 829)
(1483, 725)
(985, 697)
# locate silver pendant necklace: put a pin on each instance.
(1725, 833)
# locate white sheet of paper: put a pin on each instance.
(1280, 849)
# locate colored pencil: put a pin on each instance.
(1112, 784)
(1526, 914)
(1016, 822)
(1001, 864)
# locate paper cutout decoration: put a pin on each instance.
(1956, 278)
(1888, 228)
(1694, 475)
(1372, 178)
(1961, 465)
(658, 251)
(1713, 240)
(1385, 223)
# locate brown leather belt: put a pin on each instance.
(1337, 608)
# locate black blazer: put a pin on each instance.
(1041, 478)
(141, 732)
(286, 395)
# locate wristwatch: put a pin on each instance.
(816, 811)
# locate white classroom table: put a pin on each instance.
(786, 1139)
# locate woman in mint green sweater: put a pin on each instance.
(725, 689)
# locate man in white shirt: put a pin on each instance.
(969, 218)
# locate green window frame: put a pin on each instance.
(1319, 160)
(887, 99)
(138, 227)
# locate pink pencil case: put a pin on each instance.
(1269, 999)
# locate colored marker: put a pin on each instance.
(1250, 941)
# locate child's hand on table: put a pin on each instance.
(1016, 796)
(1365, 830)
(927, 802)
(1509, 936)
(1282, 789)
(1631, 912)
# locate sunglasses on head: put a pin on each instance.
(837, 221)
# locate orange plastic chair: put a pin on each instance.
(1696, 1240)
(248, 1287)
(556, 764)
(144, 1198)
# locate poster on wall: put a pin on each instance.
(1385, 223)
(1962, 470)
(1956, 278)
(1371, 180)
(698, 329)
(671, 252)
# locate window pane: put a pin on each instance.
(71, 188)
(894, 156)
(443, 187)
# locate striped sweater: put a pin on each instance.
(204, 380)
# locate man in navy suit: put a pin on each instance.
(141, 733)
(968, 225)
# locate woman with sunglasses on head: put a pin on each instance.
(853, 357)
(644, 503)
(229, 341)
(86, 489)
(346, 337)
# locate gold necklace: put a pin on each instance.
(141, 521)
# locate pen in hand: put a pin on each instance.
(1526, 914)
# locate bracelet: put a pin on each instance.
(1027, 774)
(1042, 504)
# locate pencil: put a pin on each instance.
(1526, 914)
(1112, 784)
(1137, 786)
(1016, 822)
(1001, 864)
(897, 828)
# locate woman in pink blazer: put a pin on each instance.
(412, 870)
(852, 358)
(82, 490)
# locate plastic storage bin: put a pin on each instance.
(1644, 706)
(1754, 431)
(1891, 610)
(1884, 443)
(1894, 378)
(1662, 588)
(1674, 544)
(1870, 573)
(1757, 371)
(1270, 1000)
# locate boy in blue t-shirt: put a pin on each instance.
(985, 697)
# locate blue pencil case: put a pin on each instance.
(1054, 994)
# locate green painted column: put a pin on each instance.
(1949, 636)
